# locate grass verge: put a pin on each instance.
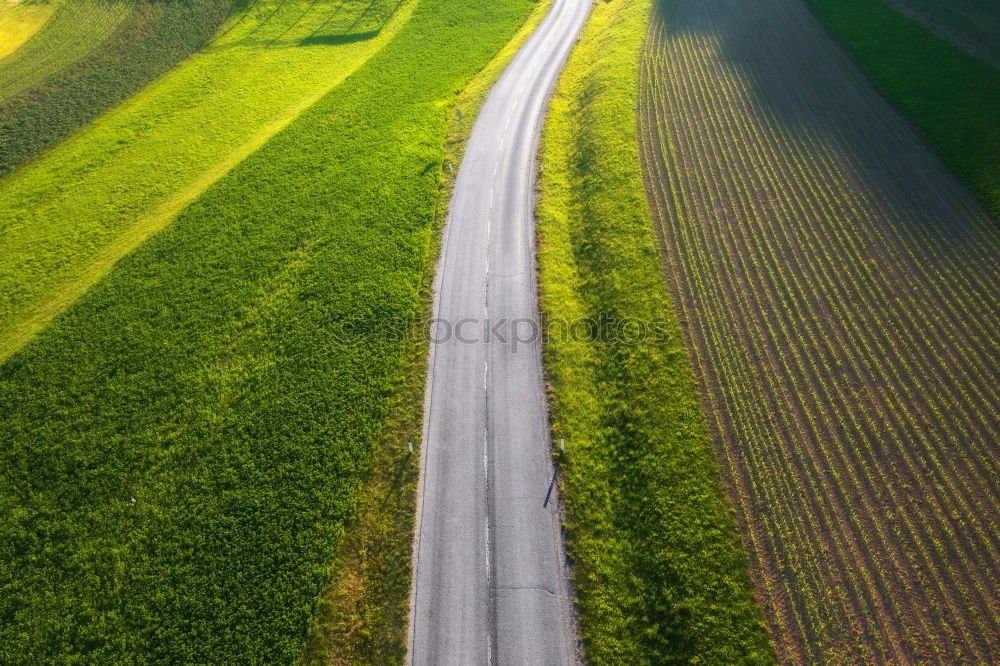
(659, 573)
(180, 450)
(363, 613)
(950, 96)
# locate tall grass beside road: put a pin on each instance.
(659, 573)
(363, 613)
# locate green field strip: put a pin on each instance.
(19, 21)
(151, 39)
(658, 569)
(76, 28)
(951, 97)
(67, 218)
(182, 447)
(801, 309)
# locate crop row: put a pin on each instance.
(842, 318)
(180, 450)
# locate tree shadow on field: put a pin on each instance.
(804, 89)
(335, 40)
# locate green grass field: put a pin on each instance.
(150, 38)
(182, 447)
(950, 96)
(66, 218)
(658, 569)
(971, 25)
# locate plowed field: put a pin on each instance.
(839, 291)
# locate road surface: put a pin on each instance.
(489, 580)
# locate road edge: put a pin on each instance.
(460, 124)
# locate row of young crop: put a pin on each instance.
(98, 54)
(809, 593)
(781, 256)
(180, 450)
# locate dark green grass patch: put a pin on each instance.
(658, 569)
(951, 97)
(180, 450)
(153, 38)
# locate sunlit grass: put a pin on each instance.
(19, 21)
(657, 566)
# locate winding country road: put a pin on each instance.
(489, 580)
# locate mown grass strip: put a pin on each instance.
(181, 449)
(67, 218)
(363, 614)
(152, 38)
(950, 96)
(73, 30)
(658, 569)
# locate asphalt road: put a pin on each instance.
(489, 579)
